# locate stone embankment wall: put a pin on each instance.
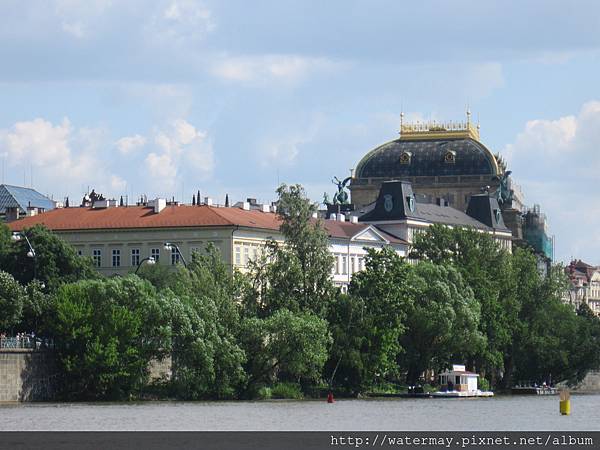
(591, 383)
(27, 375)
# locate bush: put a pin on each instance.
(483, 384)
(264, 393)
(287, 390)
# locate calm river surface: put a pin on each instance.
(500, 413)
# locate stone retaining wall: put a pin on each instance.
(591, 383)
(27, 375)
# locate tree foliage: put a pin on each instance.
(290, 344)
(56, 262)
(295, 275)
(107, 332)
(207, 358)
(11, 302)
(442, 320)
(368, 323)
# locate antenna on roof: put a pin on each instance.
(226, 200)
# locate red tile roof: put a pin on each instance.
(75, 219)
(66, 219)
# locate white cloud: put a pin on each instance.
(129, 144)
(557, 163)
(180, 22)
(283, 150)
(78, 17)
(163, 167)
(267, 68)
(62, 158)
(117, 183)
(184, 148)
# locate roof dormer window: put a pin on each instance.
(405, 157)
(450, 157)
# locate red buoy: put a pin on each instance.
(330, 398)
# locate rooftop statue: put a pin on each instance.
(504, 193)
(341, 196)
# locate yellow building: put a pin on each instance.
(119, 238)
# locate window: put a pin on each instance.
(194, 250)
(238, 255)
(361, 263)
(174, 256)
(97, 257)
(450, 157)
(405, 157)
(116, 257)
(135, 257)
(79, 252)
(246, 255)
(344, 265)
(337, 264)
(155, 253)
(352, 264)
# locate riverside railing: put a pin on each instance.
(25, 342)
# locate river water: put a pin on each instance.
(497, 414)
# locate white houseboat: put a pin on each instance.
(459, 382)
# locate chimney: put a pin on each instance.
(315, 215)
(158, 204)
(273, 208)
(32, 210)
(332, 216)
(341, 218)
(208, 201)
(246, 206)
(441, 201)
(265, 208)
(354, 219)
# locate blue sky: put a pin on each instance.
(167, 97)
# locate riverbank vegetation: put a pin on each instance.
(283, 330)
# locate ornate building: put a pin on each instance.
(584, 285)
(447, 162)
(441, 160)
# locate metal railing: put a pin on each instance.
(25, 342)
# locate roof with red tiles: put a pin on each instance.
(177, 216)
(71, 219)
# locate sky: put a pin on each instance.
(168, 97)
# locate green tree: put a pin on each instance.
(442, 320)
(290, 344)
(56, 262)
(37, 309)
(207, 358)
(107, 331)
(295, 275)
(11, 302)
(486, 269)
(368, 323)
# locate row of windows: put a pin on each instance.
(135, 256)
(340, 267)
(246, 252)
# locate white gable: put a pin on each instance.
(368, 234)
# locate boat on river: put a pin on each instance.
(534, 390)
(458, 383)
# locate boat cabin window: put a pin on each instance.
(457, 379)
